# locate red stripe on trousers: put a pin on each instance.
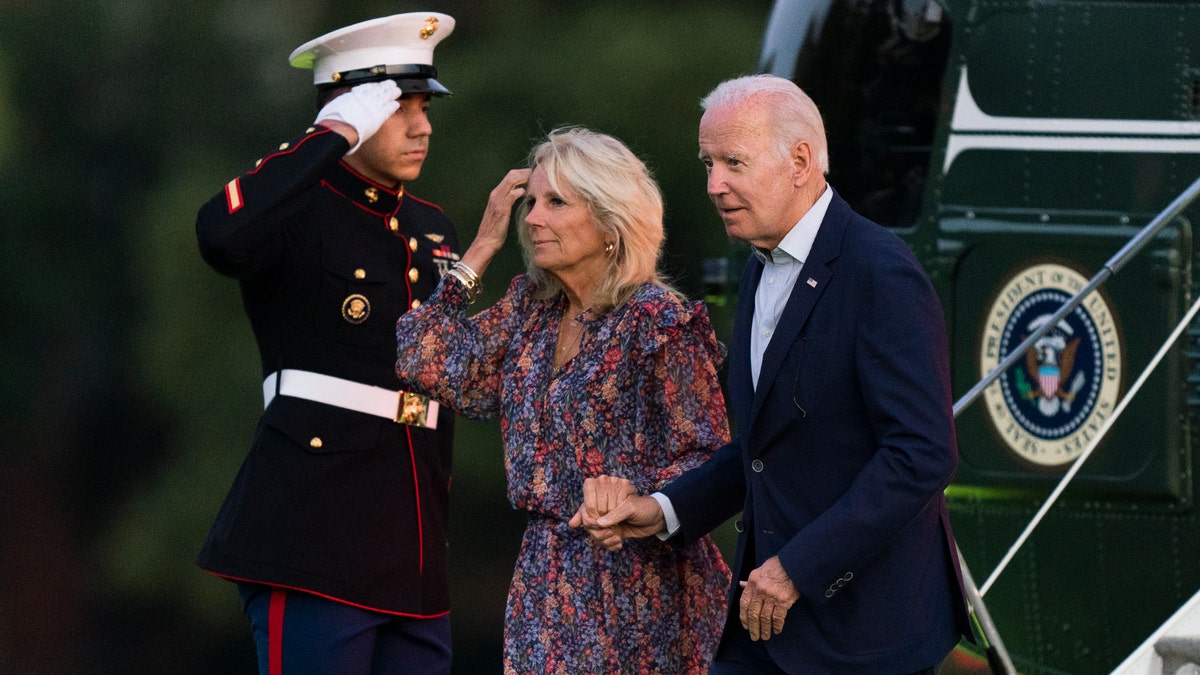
(275, 631)
(417, 490)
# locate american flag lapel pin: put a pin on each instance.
(812, 282)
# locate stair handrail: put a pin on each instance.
(998, 656)
(1091, 446)
(1110, 268)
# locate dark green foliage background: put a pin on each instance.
(130, 379)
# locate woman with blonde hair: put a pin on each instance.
(595, 366)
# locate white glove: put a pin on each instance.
(365, 107)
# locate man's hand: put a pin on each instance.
(767, 595)
(365, 107)
(611, 512)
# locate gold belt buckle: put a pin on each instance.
(412, 409)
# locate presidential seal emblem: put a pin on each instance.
(1051, 403)
(356, 308)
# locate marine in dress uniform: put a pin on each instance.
(335, 526)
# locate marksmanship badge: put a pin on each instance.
(1051, 403)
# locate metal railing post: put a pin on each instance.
(998, 656)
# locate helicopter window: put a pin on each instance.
(875, 69)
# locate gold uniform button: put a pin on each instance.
(413, 275)
(316, 442)
(415, 304)
(283, 146)
(394, 224)
(412, 244)
(360, 273)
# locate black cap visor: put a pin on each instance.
(411, 78)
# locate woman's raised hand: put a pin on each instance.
(493, 227)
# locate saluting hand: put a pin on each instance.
(365, 108)
(767, 595)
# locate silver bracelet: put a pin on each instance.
(468, 278)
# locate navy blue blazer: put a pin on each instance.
(843, 453)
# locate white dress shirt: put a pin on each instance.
(781, 269)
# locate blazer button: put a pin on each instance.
(739, 526)
(316, 442)
(757, 465)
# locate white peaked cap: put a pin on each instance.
(397, 47)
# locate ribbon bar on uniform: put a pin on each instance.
(401, 406)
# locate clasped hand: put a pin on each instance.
(612, 511)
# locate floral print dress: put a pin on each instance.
(641, 401)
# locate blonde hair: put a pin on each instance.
(794, 115)
(625, 203)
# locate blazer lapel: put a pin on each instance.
(741, 385)
(814, 277)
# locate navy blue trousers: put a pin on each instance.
(739, 655)
(299, 633)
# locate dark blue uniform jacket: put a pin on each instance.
(339, 503)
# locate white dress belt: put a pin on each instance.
(400, 406)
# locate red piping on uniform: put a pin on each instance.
(289, 151)
(412, 456)
(340, 193)
(377, 214)
(410, 615)
(395, 192)
(408, 262)
(275, 631)
(325, 184)
(412, 196)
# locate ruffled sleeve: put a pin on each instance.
(682, 419)
(442, 353)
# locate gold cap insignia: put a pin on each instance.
(435, 238)
(356, 308)
(372, 194)
(430, 27)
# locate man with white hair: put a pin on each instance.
(839, 384)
